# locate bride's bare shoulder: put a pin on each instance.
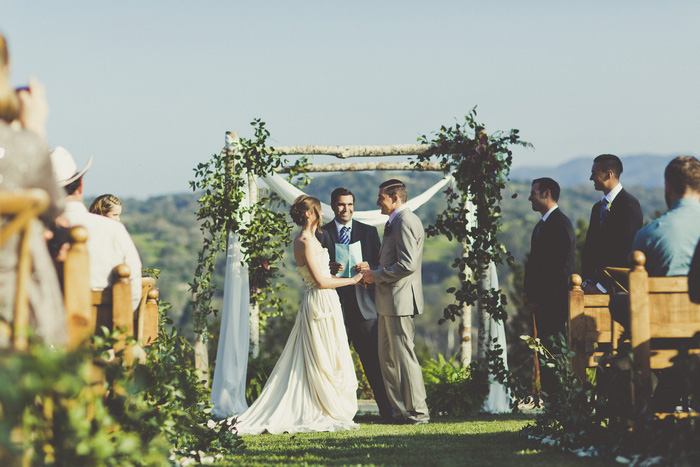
(306, 242)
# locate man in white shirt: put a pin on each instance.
(108, 243)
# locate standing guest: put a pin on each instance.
(549, 266)
(108, 206)
(615, 219)
(108, 243)
(25, 163)
(359, 311)
(399, 297)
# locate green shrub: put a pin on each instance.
(453, 390)
(137, 415)
(51, 416)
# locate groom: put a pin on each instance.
(399, 297)
(359, 312)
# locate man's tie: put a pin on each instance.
(603, 208)
(538, 227)
(344, 235)
(387, 229)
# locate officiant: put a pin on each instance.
(358, 249)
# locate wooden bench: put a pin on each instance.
(663, 322)
(592, 331)
(19, 209)
(88, 310)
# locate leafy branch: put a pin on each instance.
(262, 228)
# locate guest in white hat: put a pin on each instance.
(109, 244)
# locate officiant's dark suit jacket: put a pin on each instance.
(609, 244)
(547, 272)
(357, 302)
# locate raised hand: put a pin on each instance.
(335, 267)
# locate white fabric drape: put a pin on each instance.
(289, 193)
(228, 387)
(498, 400)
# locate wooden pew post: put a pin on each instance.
(147, 328)
(21, 208)
(76, 287)
(640, 330)
(577, 329)
(122, 313)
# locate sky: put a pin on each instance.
(149, 88)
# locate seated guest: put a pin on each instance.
(25, 163)
(668, 244)
(669, 241)
(108, 243)
(108, 206)
(694, 277)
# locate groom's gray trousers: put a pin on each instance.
(401, 371)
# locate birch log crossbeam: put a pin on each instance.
(343, 152)
(366, 166)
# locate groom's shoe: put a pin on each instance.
(413, 421)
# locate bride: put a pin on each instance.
(313, 385)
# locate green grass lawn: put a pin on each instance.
(483, 440)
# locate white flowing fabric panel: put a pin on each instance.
(498, 400)
(228, 387)
(289, 193)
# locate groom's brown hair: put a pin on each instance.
(395, 187)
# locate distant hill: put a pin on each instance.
(641, 170)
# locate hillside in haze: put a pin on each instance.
(642, 170)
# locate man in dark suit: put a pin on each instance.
(615, 220)
(551, 260)
(359, 311)
(549, 266)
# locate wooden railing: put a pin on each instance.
(663, 322)
(592, 331)
(19, 210)
(88, 310)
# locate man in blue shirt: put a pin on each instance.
(668, 244)
(669, 241)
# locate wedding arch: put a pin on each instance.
(476, 167)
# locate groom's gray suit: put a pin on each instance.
(398, 297)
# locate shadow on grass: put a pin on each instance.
(483, 440)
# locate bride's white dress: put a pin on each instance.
(313, 385)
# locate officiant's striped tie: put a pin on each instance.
(344, 235)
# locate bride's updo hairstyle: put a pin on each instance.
(303, 204)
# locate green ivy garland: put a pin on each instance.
(223, 183)
(480, 165)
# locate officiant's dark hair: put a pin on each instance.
(338, 192)
(395, 187)
(303, 204)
